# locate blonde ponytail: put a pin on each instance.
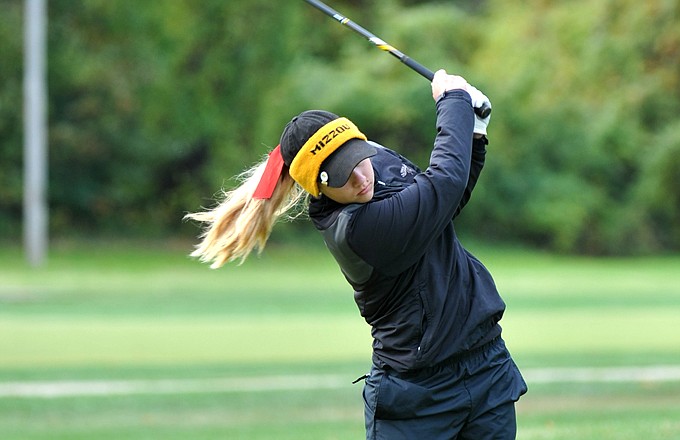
(239, 223)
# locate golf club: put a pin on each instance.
(482, 112)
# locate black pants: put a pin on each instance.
(473, 398)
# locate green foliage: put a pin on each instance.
(155, 105)
(585, 97)
(10, 117)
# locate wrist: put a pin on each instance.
(453, 92)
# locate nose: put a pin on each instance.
(357, 178)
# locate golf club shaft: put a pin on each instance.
(482, 112)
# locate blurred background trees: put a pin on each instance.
(153, 106)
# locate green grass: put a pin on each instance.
(107, 311)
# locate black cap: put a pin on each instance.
(301, 128)
(339, 165)
(335, 170)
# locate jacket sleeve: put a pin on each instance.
(476, 165)
(392, 234)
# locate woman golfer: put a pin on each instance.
(440, 368)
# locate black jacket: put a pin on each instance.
(426, 298)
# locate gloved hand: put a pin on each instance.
(478, 98)
(442, 82)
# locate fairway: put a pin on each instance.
(142, 342)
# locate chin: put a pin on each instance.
(364, 198)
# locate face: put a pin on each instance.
(359, 186)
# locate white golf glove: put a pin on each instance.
(478, 98)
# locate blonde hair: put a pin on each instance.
(239, 223)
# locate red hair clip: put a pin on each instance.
(271, 175)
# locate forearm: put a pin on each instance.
(476, 165)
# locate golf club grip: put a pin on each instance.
(482, 112)
(413, 64)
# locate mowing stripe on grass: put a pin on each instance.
(54, 389)
(49, 389)
(654, 373)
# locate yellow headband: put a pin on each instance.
(305, 167)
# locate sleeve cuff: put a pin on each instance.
(459, 93)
